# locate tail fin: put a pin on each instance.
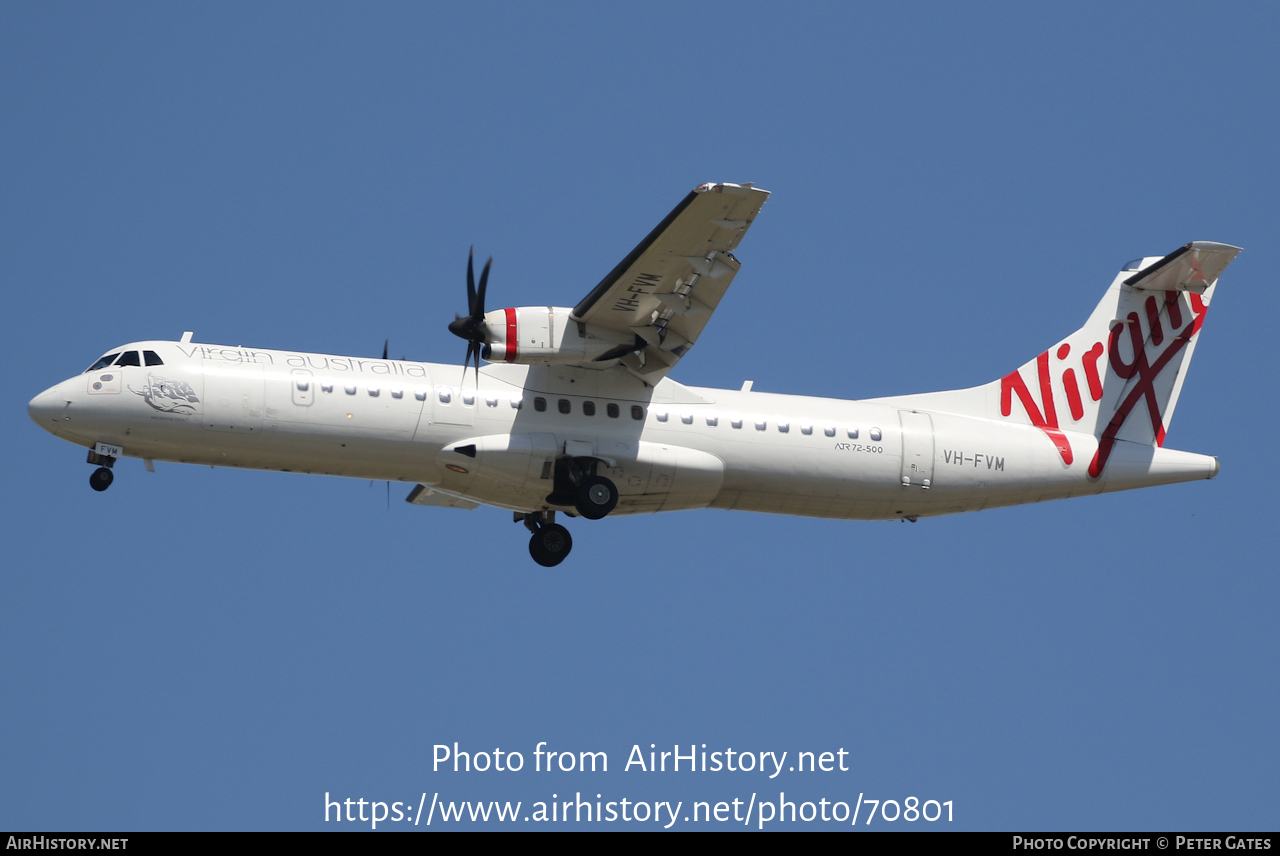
(1129, 359)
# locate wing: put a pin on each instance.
(423, 495)
(666, 289)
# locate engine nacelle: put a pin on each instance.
(547, 335)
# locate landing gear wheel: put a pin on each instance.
(550, 544)
(101, 479)
(597, 496)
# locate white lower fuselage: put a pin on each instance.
(690, 448)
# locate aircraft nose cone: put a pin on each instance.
(44, 409)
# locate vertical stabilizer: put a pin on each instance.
(1119, 376)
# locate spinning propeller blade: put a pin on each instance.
(472, 326)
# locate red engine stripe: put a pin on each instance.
(511, 336)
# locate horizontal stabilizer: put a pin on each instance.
(1192, 267)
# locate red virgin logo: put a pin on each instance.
(1044, 413)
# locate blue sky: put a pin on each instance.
(953, 190)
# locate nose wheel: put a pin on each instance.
(101, 479)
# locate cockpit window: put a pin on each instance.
(151, 358)
(103, 363)
(129, 358)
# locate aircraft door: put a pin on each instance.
(917, 449)
(452, 405)
(233, 396)
(302, 387)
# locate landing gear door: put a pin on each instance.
(917, 449)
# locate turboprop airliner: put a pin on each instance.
(573, 412)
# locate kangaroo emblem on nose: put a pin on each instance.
(168, 396)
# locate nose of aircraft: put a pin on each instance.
(45, 408)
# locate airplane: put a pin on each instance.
(574, 413)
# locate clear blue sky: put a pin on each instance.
(953, 190)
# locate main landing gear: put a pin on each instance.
(577, 487)
(102, 477)
(550, 542)
(595, 497)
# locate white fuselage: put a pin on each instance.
(688, 448)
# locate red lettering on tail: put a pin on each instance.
(1153, 320)
(1073, 394)
(1175, 309)
(1146, 372)
(1091, 371)
(1046, 422)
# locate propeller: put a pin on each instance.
(472, 326)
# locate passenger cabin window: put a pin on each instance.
(491, 401)
(662, 415)
(637, 412)
(374, 392)
(350, 389)
(540, 404)
(806, 429)
(564, 406)
(761, 425)
(326, 387)
(736, 423)
(875, 434)
(151, 358)
(687, 418)
(713, 421)
(588, 408)
(516, 401)
(397, 393)
(612, 410)
(420, 394)
(302, 385)
(445, 395)
(468, 397)
(103, 363)
(853, 433)
(129, 358)
(784, 427)
(830, 431)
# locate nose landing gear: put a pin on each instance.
(102, 477)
